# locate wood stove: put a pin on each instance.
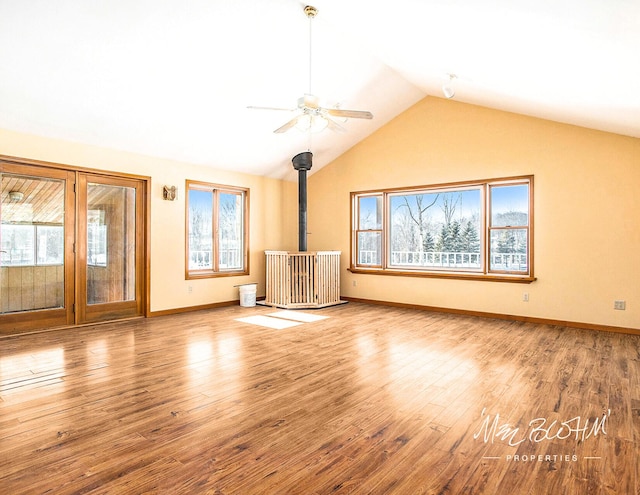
(302, 279)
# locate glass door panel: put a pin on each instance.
(111, 243)
(32, 243)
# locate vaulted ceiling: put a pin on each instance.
(173, 78)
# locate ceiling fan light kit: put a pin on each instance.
(311, 116)
(309, 122)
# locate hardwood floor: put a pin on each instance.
(372, 400)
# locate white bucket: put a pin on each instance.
(248, 295)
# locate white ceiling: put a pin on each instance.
(173, 78)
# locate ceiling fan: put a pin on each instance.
(310, 115)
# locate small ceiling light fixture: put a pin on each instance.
(15, 196)
(447, 88)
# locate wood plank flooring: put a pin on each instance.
(372, 400)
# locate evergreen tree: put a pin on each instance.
(442, 243)
(428, 241)
(470, 239)
(506, 243)
(455, 239)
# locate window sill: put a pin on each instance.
(211, 274)
(517, 279)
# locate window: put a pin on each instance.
(96, 238)
(32, 245)
(480, 229)
(217, 230)
(369, 230)
(509, 228)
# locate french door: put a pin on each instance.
(109, 248)
(72, 247)
(36, 242)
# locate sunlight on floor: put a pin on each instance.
(281, 319)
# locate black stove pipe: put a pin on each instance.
(302, 163)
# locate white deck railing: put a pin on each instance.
(229, 258)
(443, 259)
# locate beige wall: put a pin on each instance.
(587, 227)
(587, 208)
(272, 222)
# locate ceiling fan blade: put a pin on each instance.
(286, 126)
(253, 107)
(350, 114)
(334, 126)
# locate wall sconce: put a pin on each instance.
(169, 193)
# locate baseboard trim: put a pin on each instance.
(187, 309)
(499, 316)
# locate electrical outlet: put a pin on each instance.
(190, 289)
(525, 297)
(621, 305)
(355, 283)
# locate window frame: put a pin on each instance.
(360, 230)
(490, 228)
(216, 270)
(485, 272)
